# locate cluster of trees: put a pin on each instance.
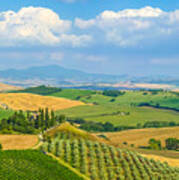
(30, 122)
(103, 127)
(42, 90)
(159, 124)
(113, 93)
(109, 127)
(155, 144)
(0, 146)
(157, 105)
(170, 144)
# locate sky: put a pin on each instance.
(138, 37)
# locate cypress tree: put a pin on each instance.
(53, 120)
(47, 122)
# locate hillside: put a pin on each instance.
(6, 87)
(18, 142)
(73, 93)
(32, 164)
(68, 128)
(140, 137)
(41, 90)
(23, 101)
(58, 74)
(100, 161)
(125, 109)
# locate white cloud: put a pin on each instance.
(36, 25)
(91, 57)
(131, 27)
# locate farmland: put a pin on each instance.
(140, 137)
(110, 113)
(73, 93)
(24, 101)
(32, 164)
(124, 109)
(18, 141)
(6, 87)
(101, 161)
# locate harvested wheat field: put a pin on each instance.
(140, 137)
(25, 101)
(6, 87)
(170, 161)
(18, 141)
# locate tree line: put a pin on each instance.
(170, 144)
(109, 127)
(30, 122)
(42, 90)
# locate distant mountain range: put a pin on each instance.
(54, 74)
(60, 76)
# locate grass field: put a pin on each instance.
(16, 142)
(23, 101)
(32, 164)
(164, 98)
(140, 137)
(170, 161)
(5, 113)
(73, 93)
(117, 115)
(124, 110)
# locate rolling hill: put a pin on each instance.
(23, 101)
(32, 164)
(7, 87)
(140, 137)
(100, 161)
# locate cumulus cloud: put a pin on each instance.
(36, 25)
(132, 26)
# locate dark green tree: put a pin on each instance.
(172, 143)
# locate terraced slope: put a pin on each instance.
(23, 101)
(103, 162)
(32, 165)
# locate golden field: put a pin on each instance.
(6, 87)
(18, 141)
(140, 137)
(170, 161)
(25, 101)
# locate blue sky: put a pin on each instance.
(115, 37)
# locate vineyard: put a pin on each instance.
(100, 161)
(31, 164)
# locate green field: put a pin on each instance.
(100, 161)
(5, 113)
(124, 109)
(73, 93)
(164, 98)
(32, 164)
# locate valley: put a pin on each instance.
(89, 134)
